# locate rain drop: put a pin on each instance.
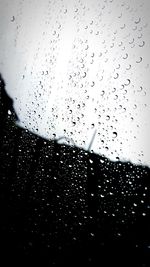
(107, 117)
(13, 19)
(92, 84)
(115, 134)
(139, 60)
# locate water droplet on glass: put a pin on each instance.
(128, 82)
(13, 19)
(107, 117)
(92, 84)
(92, 234)
(125, 56)
(115, 134)
(142, 44)
(139, 60)
(138, 21)
(102, 93)
(116, 76)
(84, 74)
(115, 97)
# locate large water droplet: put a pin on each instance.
(115, 134)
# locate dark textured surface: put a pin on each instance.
(60, 205)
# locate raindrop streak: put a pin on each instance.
(92, 140)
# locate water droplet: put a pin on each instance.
(123, 26)
(116, 76)
(13, 19)
(102, 93)
(125, 56)
(92, 84)
(115, 134)
(128, 82)
(142, 44)
(134, 28)
(113, 90)
(92, 234)
(107, 117)
(139, 60)
(84, 74)
(125, 92)
(138, 21)
(9, 112)
(115, 97)
(129, 67)
(131, 42)
(118, 67)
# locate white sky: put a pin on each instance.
(80, 70)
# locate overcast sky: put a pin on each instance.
(80, 70)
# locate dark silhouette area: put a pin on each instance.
(63, 206)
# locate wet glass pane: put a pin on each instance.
(75, 107)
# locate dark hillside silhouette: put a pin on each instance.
(61, 205)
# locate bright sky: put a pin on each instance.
(80, 70)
